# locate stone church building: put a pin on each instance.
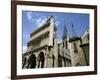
(44, 51)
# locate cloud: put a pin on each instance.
(26, 35)
(40, 21)
(59, 41)
(24, 49)
(29, 15)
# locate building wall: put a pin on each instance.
(77, 57)
(50, 42)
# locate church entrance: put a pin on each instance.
(41, 60)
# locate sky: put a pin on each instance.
(32, 20)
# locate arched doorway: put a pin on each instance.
(41, 60)
(32, 61)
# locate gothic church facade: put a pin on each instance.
(44, 51)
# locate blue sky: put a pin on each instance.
(32, 20)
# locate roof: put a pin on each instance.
(74, 39)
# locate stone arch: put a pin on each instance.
(24, 62)
(78, 64)
(32, 61)
(41, 58)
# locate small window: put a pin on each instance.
(88, 37)
(49, 48)
(66, 44)
(53, 57)
(63, 44)
(75, 47)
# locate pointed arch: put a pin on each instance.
(41, 60)
(78, 64)
(32, 61)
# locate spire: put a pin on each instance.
(73, 31)
(64, 33)
(74, 35)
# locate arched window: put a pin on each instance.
(75, 47)
(53, 57)
(41, 60)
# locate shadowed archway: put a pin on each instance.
(32, 61)
(41, 60)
